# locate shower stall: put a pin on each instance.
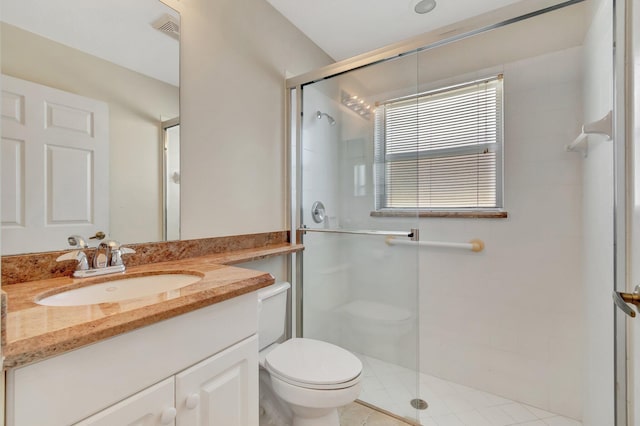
(404, 164)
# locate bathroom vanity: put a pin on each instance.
(180, 357)
(134, 375)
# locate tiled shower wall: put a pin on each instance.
(502, 320)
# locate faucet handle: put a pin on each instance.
(111, 244)
(77, 241)
(83, 263)
(116, 255)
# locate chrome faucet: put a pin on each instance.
(106, 260)
(109, 253)
(103, 253)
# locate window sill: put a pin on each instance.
(449, 214)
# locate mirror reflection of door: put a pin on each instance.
(55, 166)
(171, 131)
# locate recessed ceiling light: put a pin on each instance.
(424, 6)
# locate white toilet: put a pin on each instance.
(308, 379)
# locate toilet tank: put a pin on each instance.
(272, 312)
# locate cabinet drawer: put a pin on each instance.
(68, 388)
(145, 408)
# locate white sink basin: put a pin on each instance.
(120, 289)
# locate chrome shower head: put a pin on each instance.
(332, 121)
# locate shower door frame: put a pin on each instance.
(625, 224)
(622, 70)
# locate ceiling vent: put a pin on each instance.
(168, 25)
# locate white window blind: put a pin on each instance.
(441, 149)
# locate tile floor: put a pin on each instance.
(356, 414)
(391, 387)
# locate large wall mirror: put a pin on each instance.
(90, 122)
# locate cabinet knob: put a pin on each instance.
(192, 401)
(168, 415)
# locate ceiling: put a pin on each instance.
(118, 31)
(345, 28)
(122, 32)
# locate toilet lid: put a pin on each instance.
(309, 362)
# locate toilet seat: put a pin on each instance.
(313, 364)
(328, 386)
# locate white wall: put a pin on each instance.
(598, 224)
(234, 58)
(276, 266)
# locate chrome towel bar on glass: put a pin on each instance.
(413, 234)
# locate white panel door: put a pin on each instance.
(221, 390)
(150, 407)
(55, 166)
(12, 152)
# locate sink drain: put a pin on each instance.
(419, 404)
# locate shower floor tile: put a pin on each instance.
(391, 388)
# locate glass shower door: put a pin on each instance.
(359, 289)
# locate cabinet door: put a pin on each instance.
(221, 390)
(150, 407)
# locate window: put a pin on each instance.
(441, 150)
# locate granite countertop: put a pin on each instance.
(31, 332)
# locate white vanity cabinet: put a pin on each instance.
(216, 391)
(198, 368)
(219, 390)
(151, 407)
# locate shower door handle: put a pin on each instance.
(413, 234)
(621, 299)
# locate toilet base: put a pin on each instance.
(329, 419)
(313, 407)
(273, 411)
